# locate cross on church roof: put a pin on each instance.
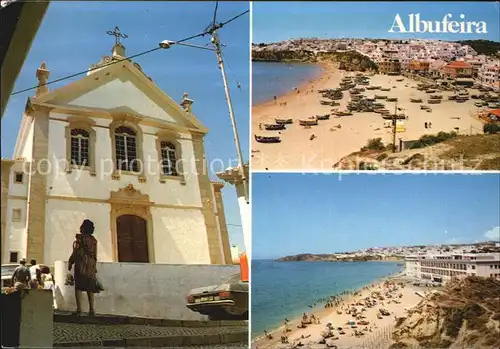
(117, 34)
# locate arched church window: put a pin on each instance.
(126, 149)
(80, 154)
(168, 158)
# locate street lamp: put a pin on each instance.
(166, 44)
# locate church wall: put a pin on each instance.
(15, 231)
(27, 148)
(79, 183)
(63, 222)
(180, 236)
(19, 189)
(116, 93)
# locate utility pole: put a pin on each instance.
(216, 44)
(394, 122)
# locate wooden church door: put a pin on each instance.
(132, 239)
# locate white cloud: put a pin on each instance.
(493, 234)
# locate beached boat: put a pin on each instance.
(323, 117)
(416, 100)
(343, 113)
(386, 89)
(452, 98)
(392, 99)
(283, 121)
(436, 97)
(265, 139)
(325, 102)
(381, 111)
(434, 101)
(371, 88)
(399, 80)
(308, 122)
(274, 127)
(380, 97)
(430, 91)
(394, 117)
(424, 107)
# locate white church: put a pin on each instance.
(114, 148)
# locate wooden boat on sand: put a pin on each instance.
(392, 99)
(416, 100)
(343, 113)
(323, 117)
(308, 122)
(265, 139)
(434, 101)
(283, 121)
(274, 127)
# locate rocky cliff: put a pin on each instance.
(466, 314)
(350, 60)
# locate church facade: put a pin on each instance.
(111, 147)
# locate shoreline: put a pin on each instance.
(321, 146)
(323, 67)
(320, 311)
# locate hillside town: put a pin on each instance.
(434, 58)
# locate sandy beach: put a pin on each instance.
(330, 143)
(376, 328)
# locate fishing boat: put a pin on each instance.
(343, 113)
(381, 111)
(424, 107)
(385, 89)
(436, 97)
(274, 127)
(308, 122)
(323, 117)
(416, 100)
(380, 97)
(399, 80)
(371, 88)
(394, 117)
(325, 102)
(392, 99)
(452, 98)
(283, 121)
(430, 91)
(265, 139)
(434, 101)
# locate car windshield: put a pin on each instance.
(234, 279)
(8, 270)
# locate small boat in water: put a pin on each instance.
(323, 117)
(265, 139)
(274, 127)
(283, 121)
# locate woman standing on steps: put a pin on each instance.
(84, 257)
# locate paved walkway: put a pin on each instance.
(96, 334)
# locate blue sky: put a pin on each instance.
(276, 21)
(316, 213)
(73, 36)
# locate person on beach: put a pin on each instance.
(425, 124)
(84, 258)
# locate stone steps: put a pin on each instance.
(121, 331)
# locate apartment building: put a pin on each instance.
(489, 76)
(443, 267)
(389, 66)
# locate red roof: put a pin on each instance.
(495, 112)
(458, 64)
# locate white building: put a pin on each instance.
(78, 155)
(445, 266)
(489, 75)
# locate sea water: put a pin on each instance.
(286, 289)
(271, 79)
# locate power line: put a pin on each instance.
(205, 32)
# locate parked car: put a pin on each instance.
(228, 301)
(7, 271)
